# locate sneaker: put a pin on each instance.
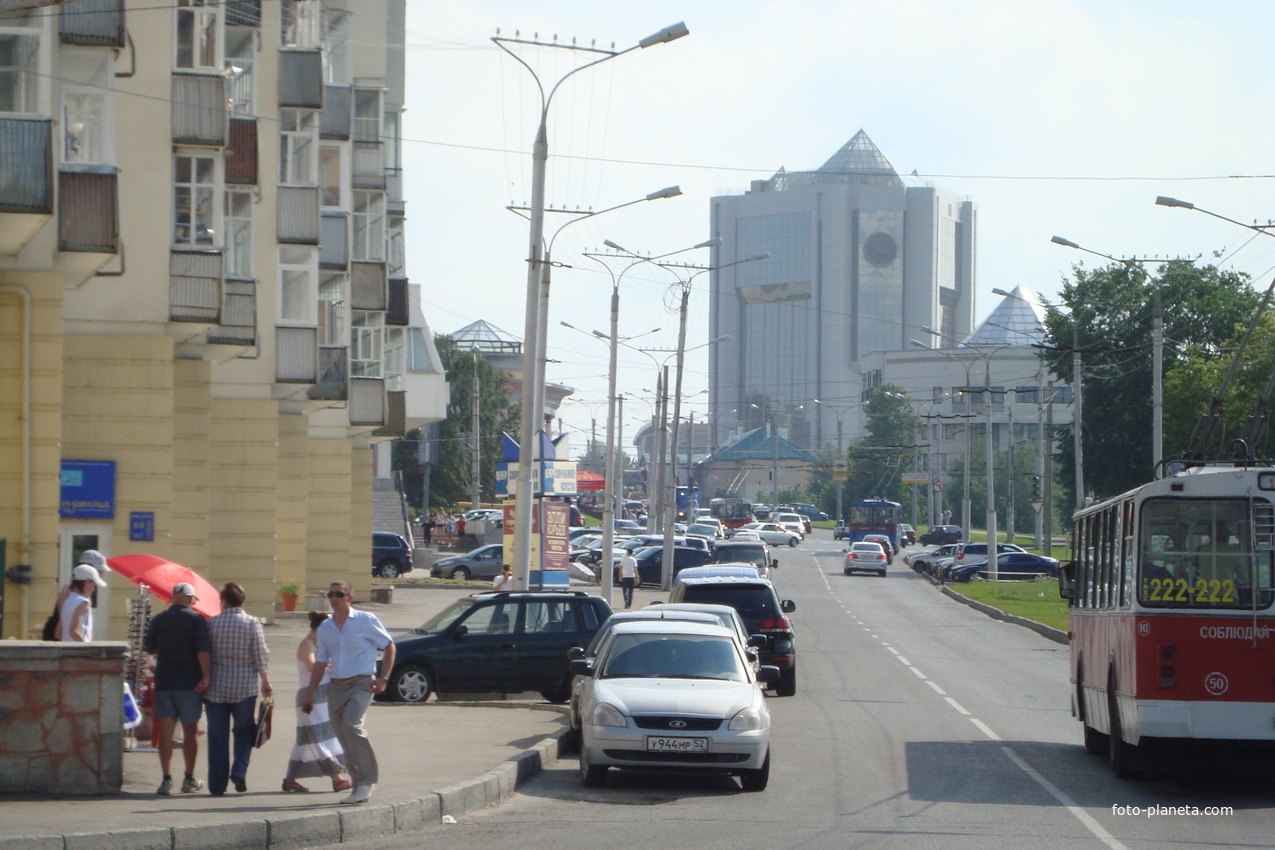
(361, 794)
(165, 788)
(241, 784)
(190, 785)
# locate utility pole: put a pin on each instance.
(475, 440)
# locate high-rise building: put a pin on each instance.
(859, 263)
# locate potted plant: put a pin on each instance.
(290, 592)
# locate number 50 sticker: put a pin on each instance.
(1216, 684)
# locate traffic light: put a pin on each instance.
(1035, 486)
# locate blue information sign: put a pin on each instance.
(141, 525)
(87, 489)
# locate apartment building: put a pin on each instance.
(206, 326)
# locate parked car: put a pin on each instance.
(940, 534)
(737, 551)
(488, 514)
(865, 557)
(978, 551)
(774, 534)
(907, 534)
(677, 695)
(886, 544)
(924, 562)
(763, 614)
(391, 556)
(809, 510)
(483, 562)
(1009, 566)
(497, 642)
(740, 536)
(806, 523)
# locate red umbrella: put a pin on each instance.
(162, 576)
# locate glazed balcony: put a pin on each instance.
(92, 23)
(238, 314)
(367, 401)
(195, 286)
(199, 110)
(296, 355)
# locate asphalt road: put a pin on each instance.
(918, 723)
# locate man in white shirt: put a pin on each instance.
(347, 645)
(628, 577)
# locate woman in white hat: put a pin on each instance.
(76, 614)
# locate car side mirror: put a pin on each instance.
(767, 673)
(460, 631)
(774, 565)
(751, 655)
(788, 606)
(575, 653)
(1067, 581)
(758, 641)
(581, 667)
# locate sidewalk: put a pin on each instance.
(441, 758)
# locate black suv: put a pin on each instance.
(651, 562)
(503, 642)
(762, 613)
(940, 534)
(391, 556)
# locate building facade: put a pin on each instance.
(205, 317)
(859, 262)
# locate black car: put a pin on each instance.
(940, 534)
(391, 556)
(762, 612)
(504, 642)
(651, 562)
(1009, 566)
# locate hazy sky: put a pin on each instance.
(1060, 117)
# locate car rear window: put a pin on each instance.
(754, 602)
(726, 553)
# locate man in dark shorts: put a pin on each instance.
(178, 638)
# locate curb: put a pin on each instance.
(345, 825)
(997, 614)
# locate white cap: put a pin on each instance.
(86, 573)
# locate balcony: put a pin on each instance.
(395, 415)
(394, 203)
(297, 220)
(367, 166)
(194, 286)
(26, 166)
(334, 122)
(199, 110)
(334, 374)
(396, 309)
(367, 401)
(368, 286)
(88, 212)
(241, 153)
(238, 315)
(243, 13)
(301, 79)
(296, 355)
(93, 23)
(334, 243)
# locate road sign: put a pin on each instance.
(840, 469)
(938, 486)
(914, 478)
(1037, 504)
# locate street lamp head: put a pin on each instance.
(764, 255)
(613, 246)
(670, 192)
(918, 343)
(709, 243)
(1066, 243)
(671, 33)
(1166, 201)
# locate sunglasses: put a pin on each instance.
(336, 594)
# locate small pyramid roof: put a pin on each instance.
(758, 445)
(1019, 320)
(858, 161)
(486, 337)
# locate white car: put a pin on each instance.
(773, 534)
(676, 695)
(866, 557)
(792, 522)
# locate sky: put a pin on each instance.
(1064, 117)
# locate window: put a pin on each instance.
(298, 141)
(332, 330)
(368, 226)
(241, 53)
(367, 115)
(238, 224)
(21, 80)
(335, 44)
(298, 285)
(367, 343)
(197, 42)
(194, 195)
(549, 617)
(395, 256)
(331, 176)
(392, 139)
(395, 358)
(300, 20)
(86, 134)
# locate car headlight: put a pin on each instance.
(605, 714)
(751, 719)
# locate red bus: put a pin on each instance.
(1171, 623)
(732, 511)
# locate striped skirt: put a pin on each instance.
(317, 751)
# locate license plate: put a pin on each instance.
(659, 744)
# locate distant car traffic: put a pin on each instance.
(886, 544)
(483, 562)
(940, 534)
(907, 534)
(773, 534)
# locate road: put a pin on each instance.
(918, 723)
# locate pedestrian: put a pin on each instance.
(504, 581)
(346, 647)
(76, 614)
(427, 528)
(53, 625)
(178, 638)
(628, 577)
(317, 752)
(239, 658)
(449, 530)
(460, 531)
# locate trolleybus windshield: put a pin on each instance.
(1199, 553)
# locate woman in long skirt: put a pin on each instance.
(317, 751)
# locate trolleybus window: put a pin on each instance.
(1199, 553)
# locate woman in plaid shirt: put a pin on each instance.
(239, 657)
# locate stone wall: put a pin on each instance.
(61, 717)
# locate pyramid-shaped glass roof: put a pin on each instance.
(859, 161)
(487, 338)
(1018, 321)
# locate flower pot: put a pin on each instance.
(289, 600)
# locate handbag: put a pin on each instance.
(265, 719)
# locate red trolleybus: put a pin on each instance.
(732, 511)
(1171, 623)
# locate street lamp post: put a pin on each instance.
(532, 374)
(965, 391)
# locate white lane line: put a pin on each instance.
(1069, 804)
(956, 705)
(892, 649)
(935, 686)
(919, 674)
(904, 660)
(985, 729)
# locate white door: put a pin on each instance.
(74, 538)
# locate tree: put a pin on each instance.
(1109, 320)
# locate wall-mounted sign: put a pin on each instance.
(87, 489)
(141, 526)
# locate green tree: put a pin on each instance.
(1108, 317)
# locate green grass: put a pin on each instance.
(1037, 601)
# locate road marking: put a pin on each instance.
(985, 729)
(919, 674)
(904, 660)
(935, 686)
(956, 705)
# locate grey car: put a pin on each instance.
(483, 562)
